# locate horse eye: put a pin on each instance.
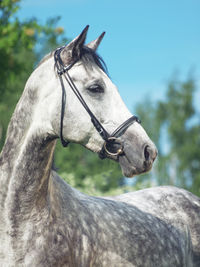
(96, 88)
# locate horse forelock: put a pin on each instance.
(90, 56)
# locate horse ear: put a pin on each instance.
(94, 44)
(72, 51)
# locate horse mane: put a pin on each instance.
(88, 56)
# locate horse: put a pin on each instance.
(44, 221)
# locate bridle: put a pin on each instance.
(112, 145)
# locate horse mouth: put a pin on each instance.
(129, 169)
(132, 160)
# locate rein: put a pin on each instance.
(112, 145)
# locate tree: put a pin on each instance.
(84, 170)
(174, 125)
(20, 41)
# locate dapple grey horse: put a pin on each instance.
(44, 221)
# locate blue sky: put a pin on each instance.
(146, 42)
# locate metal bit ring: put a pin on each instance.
(118, 152)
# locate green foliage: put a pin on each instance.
(84, 167)
(19, 54)
(177, 120)
(173, 124)
(22, 44)
(50, 37)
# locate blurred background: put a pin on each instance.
(152, 51)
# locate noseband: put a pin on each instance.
(112, 144)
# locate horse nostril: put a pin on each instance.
(146, 153)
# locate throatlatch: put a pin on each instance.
(112, 145)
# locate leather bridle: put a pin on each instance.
(112, 144)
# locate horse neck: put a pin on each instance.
(26, 158)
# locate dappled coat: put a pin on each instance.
(44, 221)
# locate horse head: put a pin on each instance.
(86, 71)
